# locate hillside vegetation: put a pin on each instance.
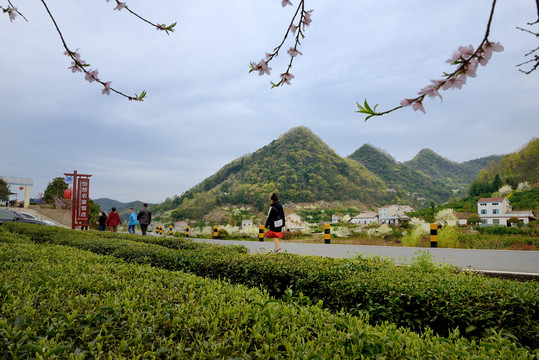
(515, 168)
(452, 174)
(401, 177)
(299, 166)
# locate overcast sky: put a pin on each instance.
(204, 109)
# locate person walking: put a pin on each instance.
(102, 221)
(275, 222)
(144, 217)
(113, 220)
(132, 221)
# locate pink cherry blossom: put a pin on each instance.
(406, 102)
(307, 16)
(455, 82)
(286, 2)
(261, 67)
(418, 105)
(471, 68)
(466, 51)
(488, 48)
(293, 29)
(120, 6)
(74, 67)
(106, 90)
(463, 52)
(286, 78)
(12, 12)
(294, 52)
(430, 91)
(91, 76)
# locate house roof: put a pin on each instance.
(463, 215)
(366, 215)
(492, 199)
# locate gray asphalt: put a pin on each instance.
(509, 261)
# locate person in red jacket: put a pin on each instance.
(113, 220)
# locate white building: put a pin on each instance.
(365, 218)
(497, 211)
(245, 223)
(393, 214)
(294, 222)
(179, 226)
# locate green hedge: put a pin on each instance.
(438, 299)
(61, 303)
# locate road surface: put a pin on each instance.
(498, 261)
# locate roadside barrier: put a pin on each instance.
(261, 233)
(433, 235)
(187, 231)
(327, 234)
(170, 230)
(215, 232)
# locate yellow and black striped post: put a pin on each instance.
(433, 235)
(215, 232)
(327, 234)
(187, 231)
(170, 230)
(261, 233)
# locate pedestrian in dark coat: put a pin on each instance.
(102, 221)
(144, 218)
(275, 221)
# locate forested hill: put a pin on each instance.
(299, 166)
(410, 184)
(453, 174)
(515, 168)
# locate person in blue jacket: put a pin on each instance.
(132, 221)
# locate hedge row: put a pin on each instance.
(413, 297)
(60, 303)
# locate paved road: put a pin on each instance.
(512, 261)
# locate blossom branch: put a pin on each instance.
(467, 60)
(122, 5)
(12, 12)
(536, 57)
(80, 65)
(297, 30)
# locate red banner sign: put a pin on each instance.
(81, 198)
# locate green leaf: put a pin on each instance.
(57, 350)
(30, 347)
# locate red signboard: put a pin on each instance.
(81, 198)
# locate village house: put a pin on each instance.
(497, 211)
(294, 222)
(462, 218)
(179, 226)
(394, 214)
(365, 218)
(245, 223)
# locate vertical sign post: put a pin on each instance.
(81, 197)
